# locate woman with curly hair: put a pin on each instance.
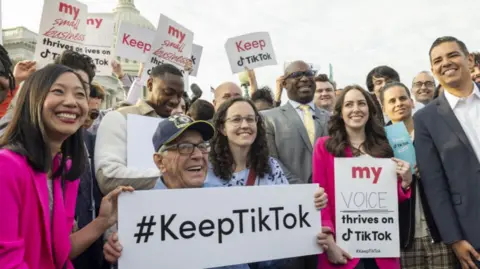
(239, 157)
(354, 131)
(239, 129)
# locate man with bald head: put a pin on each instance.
(224, 92)
(423, 89)
(292, 130)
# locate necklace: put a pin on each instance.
(357, 149)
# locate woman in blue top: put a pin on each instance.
(239, 156)
(239, 148)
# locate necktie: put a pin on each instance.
(308, 122)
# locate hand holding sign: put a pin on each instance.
(404, 171)
(117, 68)
(109, 205)
(325, 238)
(417, 172)
(188, 66)
(112, 250)
(336, 255)
(321, 198)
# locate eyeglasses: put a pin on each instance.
(237, 120)
(308, 73)
(428, 84)
(187, 148)
(93, 114)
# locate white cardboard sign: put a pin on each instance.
(98, 42)
(196, 56)
(172, 44)
(133, 42)
(196, 228)
(366, 199)
(250, 51)
(140, 130)
(62, 27)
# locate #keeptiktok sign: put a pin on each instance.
(201, 228)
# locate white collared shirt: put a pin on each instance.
(300, 112)
(467, 111)
(417, 107)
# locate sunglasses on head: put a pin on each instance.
(308, 73)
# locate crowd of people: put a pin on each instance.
(63, 160)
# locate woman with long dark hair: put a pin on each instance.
(354, 131)
(42, 155)
(240, 157)
(239, 129)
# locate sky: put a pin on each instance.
(353, 35)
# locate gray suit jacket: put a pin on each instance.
(288, 140)
(450, 172)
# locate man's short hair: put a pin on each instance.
(324, 78)
(423, 72)
(476, 58)
(97, 91)
(77, 61)
(201, 110)
(445, 39)
(382, 71)
(159, 71)
(263, 94)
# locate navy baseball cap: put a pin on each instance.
(171, 128)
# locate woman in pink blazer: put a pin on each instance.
(41, 157)
(354, 131)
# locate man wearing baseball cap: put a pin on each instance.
(181, 152)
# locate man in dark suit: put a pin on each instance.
(447, 143)
(292, 130)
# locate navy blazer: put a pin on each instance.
(450, 172)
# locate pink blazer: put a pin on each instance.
(25, 229)
(323, 173)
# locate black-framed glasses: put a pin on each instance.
(237, 120)
(187, 148)
(308, 73)
(428, 84)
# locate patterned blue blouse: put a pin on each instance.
(276, 177)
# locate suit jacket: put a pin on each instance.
(26, 231)
(324, 174)
(450, 172)
(288, 140)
